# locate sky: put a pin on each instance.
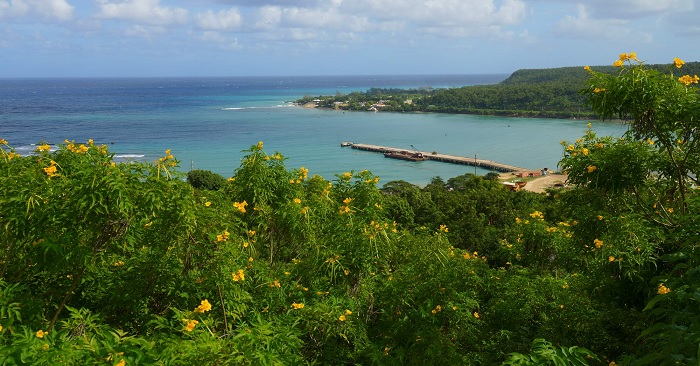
(121, 38)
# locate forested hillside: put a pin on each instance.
(130, 264)
(549, 93)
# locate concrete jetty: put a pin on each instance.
(452, 159)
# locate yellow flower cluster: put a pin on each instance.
(437, 309)
(238, 276)
(43, 148)
(222, 237)
(678, 62)
(628, 56)
(663, 290)
(598, 243)
(333, 259)
(537, 215)
(591, 168)
(297, 306)
(51, 170)
(346, 176)
(203, 307)
(687, 79)
(444, 228)
(240, 206)
(191, 323)
(118, 263)
(168, 158)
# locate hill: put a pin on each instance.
(544, 93)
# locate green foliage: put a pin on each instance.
(544, 353)
(105, 263)
(205, 179)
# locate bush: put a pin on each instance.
(205, 179)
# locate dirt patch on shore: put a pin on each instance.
(538, 184)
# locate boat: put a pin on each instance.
(405, 155)
(345, 144)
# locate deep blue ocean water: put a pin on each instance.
(206, 122)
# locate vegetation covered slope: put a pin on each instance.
(551, 93)
(127, 264)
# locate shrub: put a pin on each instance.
(205, 179)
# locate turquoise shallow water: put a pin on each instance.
(207, 122)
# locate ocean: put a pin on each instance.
(207, 122)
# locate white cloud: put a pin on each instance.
(632, 9)
(58, 9)
(143, 11)
(226, 19)
(584, 26)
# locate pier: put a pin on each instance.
(452, 159)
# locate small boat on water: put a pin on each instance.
(405, 155)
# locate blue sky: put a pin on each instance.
(81, 38)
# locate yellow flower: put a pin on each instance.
(346, 176)
(297, 306)
(122, 362)
(670, 210)
(444, 228)
(191, 323)
(624, 57)
(207, 203)
(598, 243)
(650, 141)
(251, 232)
(678, 62)
(297, 200)
(341, 318)
(238, 275)
(600, 217)
(537, 214)
(260, 145)
(584, 151)
(146, 226)
(611, 259)
(518, 221)
(44, 147)
(40, 333)
(687, 79)
(592, 168)
(663, 290)
(476, 315)
(118, 263)
(344, 210)
(51, 171)
(203, 307)
(275, 283)
(618, 63)
(587, 68)
(3, 142)
(347, 200)
(81, 149)
(240, 206)
(348, 312)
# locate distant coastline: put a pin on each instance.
(534, 93)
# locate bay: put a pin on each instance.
(206, 122)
